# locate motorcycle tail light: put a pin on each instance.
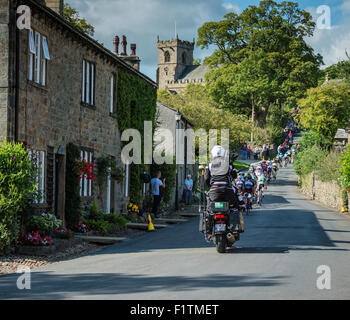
(220, 216)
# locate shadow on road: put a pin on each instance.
(48, 286)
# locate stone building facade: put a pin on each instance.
(166, 119)
(59, 86)
(175, 65)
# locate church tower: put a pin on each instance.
(174, 56)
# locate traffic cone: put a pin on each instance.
(150, 224)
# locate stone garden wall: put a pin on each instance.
(328, 193)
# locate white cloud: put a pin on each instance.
(232, 7)
(332, 43)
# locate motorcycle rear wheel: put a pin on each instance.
(221, 243)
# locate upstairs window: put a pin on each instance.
(88, 83)
(38, 56)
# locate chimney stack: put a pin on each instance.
(124, 44)
(55, 5)
(133, 49)
(131, 60)
(116, 42)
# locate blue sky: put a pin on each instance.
(143, 20)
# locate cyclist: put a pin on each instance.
(261, 186)
(239, 183)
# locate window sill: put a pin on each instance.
(37, 85)
(88, 105)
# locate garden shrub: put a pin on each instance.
(308, 160)
(45, 223)
(345, 168)
(329, 168)
(116, 219)
(73, 200)
(102, 226)
(17, 186)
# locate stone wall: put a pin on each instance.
(4, 71)
(328, 193)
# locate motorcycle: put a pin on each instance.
(222, 225)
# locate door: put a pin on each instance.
(59, 186)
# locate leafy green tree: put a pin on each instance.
(72, 16)
(261, 58)
(197, 62)
(326, 109)
(196, 104)
(341, 70)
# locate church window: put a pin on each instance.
(167, 56)
(184, 58)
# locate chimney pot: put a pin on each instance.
(124, 44)
(133, 49)
(116, 42)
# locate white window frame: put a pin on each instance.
(31, 54)
(37, 60)
(38, 56)
(88, 83)
(40, 157)
(111, 106)
(85, 184)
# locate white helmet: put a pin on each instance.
(218, 151)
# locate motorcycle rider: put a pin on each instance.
(219, 175)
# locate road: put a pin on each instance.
(277, 258)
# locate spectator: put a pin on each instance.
(249, 151)
(244, 152)
(156, 183)
(188, 189)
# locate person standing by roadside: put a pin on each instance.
(244, 152)
(249, 151)
(188, 189)
(156, 183)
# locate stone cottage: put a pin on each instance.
(166, 117)
(59, 86)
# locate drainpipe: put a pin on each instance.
(17, 84)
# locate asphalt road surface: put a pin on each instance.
(277, 258)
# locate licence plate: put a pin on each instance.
(220, 227)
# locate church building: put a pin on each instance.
(175, 65)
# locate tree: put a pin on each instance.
(196, 105)
(326, 109)
(341, 70)
(197, 62)
(261, 58)
(72, 16)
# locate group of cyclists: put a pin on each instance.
(252, 184)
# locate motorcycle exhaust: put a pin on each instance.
(230, 237)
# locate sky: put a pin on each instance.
(143, 20)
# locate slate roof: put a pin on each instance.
(194, 72)
(341, 134)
